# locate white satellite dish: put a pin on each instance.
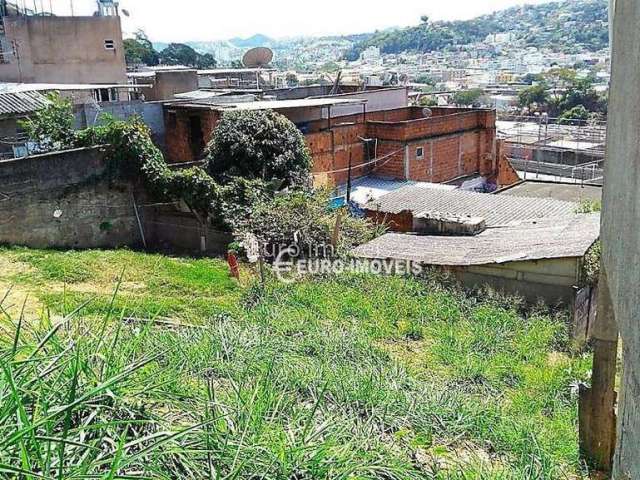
(427, 113)
(259, 57)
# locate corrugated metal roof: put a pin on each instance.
(495, 209)
(21, 102)
(569, 237)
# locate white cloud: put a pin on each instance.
(185, 20)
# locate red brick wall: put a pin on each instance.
(507, 175)
(457, 144)
(393, 163)
(401, 222)
(178, 132)
(443, 158)
(330, 151)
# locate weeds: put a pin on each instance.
(351, 377)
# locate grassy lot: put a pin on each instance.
(128, 365)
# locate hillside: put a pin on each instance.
(567, 26)
(161, 367)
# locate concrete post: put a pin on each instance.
(620, 225)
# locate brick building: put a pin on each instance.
(406, 143)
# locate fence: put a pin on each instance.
(571, 150)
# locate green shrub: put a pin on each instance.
(258, 145)
(306, 220)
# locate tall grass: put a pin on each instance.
(352, 377)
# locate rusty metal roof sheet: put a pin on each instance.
(569, 237)
(21, 102)
(495, 209)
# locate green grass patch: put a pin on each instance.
(350, 377)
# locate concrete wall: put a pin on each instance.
(64, 50)
(166, 84)
(172, 231)
(377, 100)
(59, 200)
(552, 280)
(151, 113)
(621, 217)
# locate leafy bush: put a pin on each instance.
(589, 206)
(51, 128)
(132, 155)
(258, 145)
(305, 219)
(591, 264)
(468, 98)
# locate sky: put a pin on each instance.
(204, 20)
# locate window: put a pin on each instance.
(103, 95)
(420, 153)
(109, 45)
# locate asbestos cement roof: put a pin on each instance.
(495, 209)
(21, 102)
(569, 237)
(366, 189)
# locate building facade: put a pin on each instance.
(50, 49)
(405, 143)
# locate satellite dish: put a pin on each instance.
(427, 112)
(258, 57)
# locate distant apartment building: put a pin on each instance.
(371, 55)
(36, 47)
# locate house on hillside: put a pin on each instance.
(535, 247)
(537, 259)
(369, 133)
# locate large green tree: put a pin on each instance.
(181, 54)
(468, 98)
(534, 97)
(140, 50)
(258, 145)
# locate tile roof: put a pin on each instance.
(21, 102)
(569, 237)
(495, 209)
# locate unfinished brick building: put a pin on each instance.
(409, 143)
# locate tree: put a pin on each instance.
(51, 128)
(292, 80)
(576, 115)
(425, 79)
(533, 96)
(258, 145)
(424, 18)
(181, 54)
(428, 101)
(206, 60)
(140, 50)
(468, 98)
